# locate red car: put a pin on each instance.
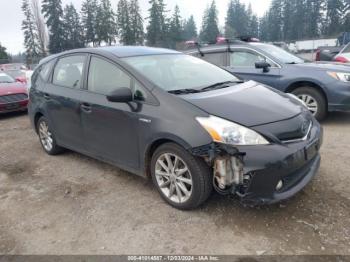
(13, 95)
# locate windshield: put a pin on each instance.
(280, 54)
(6, 79)
(15, 73)
(179, 72)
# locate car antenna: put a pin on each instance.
(198, 45)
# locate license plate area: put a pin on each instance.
(311, 150)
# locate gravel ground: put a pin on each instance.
(72, 204)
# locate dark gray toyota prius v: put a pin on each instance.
(188, 124)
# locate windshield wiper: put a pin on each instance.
(184, 91)
(221, 85)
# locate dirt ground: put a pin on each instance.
(72, 204)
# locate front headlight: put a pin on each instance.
(227, 132)
(345, 77)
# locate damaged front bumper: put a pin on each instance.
(263, 174)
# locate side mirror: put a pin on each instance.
(120, 95)
(263, 65)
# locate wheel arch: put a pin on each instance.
(156, 143)
(296, 85)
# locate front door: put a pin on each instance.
(110, 129)
(242, 63)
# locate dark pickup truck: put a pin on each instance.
(330, 53)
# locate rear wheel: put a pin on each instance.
(314, 100)
(182, 180)
(46, 137)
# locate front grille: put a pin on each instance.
(13, 98)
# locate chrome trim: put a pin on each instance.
(299, 139)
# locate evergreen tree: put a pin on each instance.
(73, 37)
(3, 54)
(190, 29)
(30, 34)
(157, 27)
(136, 23)
(123, 22)
(264, 28)
(88, 17)
(238, 19)
(210, 29)
(105, 27)
(275, 20)
(175, 30)
(52, 10)
(334, 16)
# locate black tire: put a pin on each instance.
(56, 149)
(200, 173)
(318, 97)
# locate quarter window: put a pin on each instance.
(68, 71)
(245, 59)
(104, 77)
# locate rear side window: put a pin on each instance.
(216, 58)
(68, 71)
(104, 77)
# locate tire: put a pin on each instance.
(310, 92)
(53, 149)
(198, 172)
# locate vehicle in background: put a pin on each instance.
(13, 94)
(18, 71)
(323, 87)
(344, 55)
(186, 123)
(330, 53)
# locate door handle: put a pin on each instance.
(47, 96)
(85, 107)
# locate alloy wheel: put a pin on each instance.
(310, 102)
(45, 136)
(173, 178)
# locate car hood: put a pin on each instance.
(325, 66)
(249, 104)
(12, 88)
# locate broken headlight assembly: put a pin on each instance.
(226, 132)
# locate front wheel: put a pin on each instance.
(182, 180)
(314, 100)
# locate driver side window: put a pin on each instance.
(245, 59)
(104, 77)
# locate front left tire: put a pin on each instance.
(182, 180)
(46, 137)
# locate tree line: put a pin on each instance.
(97, 22)
(289, 20)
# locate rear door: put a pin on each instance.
(111, 129)
(62, 98)
(242, 61)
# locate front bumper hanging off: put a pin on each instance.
(263, 174)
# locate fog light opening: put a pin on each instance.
(279, 185)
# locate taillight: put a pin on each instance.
(318, 55)
(341, 59)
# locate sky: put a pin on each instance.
(11, 16)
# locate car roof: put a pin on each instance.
(220, 47)
(118, 51)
